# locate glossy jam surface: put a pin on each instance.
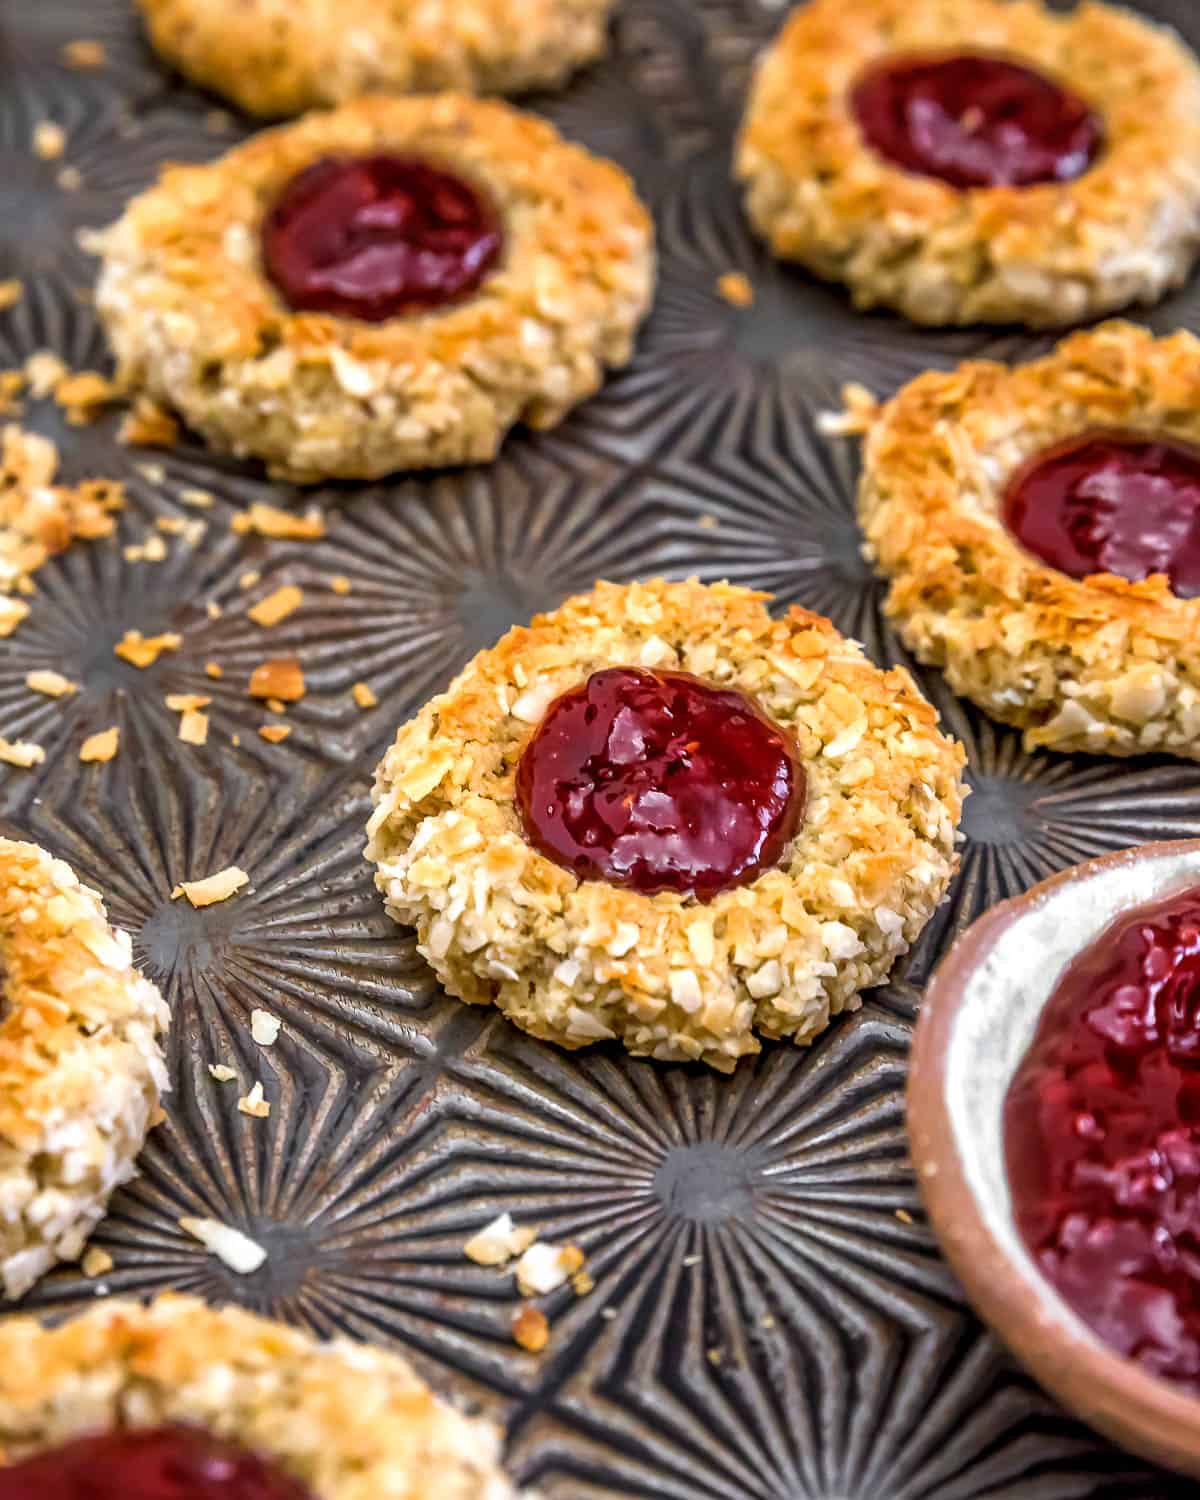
(657, 781)
(1110, 502)
(976, 121)
(159, 1463)
(374, 237)
(1102, 1134)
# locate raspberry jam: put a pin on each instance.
(657, 781)
(376, 236)
(976, 121)
(157, 1463)
(1102, 1135)
(1112, 503)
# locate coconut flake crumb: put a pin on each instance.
(530, 1330)
(11, 292)
(51, 684)
(84, 53)
(143, 651)
(498, 1242)
(96, 1262)
(182, 703)
(222, 1072)
(735, 287)
(237, 1250)
(193, 727)
(264, 1027)
(147, 425)
(277, 606)
(21, 753)
(214, 670)
(101, 746)
(49, 140)
(212, 888)
(544, 1268)
(860, 410)
(198, 499)
(254, 1103)
(340, 584)
(281, 525)
(363, 696)
(274, 734)
(281, 678)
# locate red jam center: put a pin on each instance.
(1102, 1133)
(376, 236)
(1112, 503)
(158, 1463)
(976, 121)
(657, 781)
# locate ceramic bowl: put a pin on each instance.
(978, 1018)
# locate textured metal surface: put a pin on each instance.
(771, 1320)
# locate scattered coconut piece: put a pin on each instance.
(49, 140)
(249, 578)
(735, 287)
(222, 1072)
(43, 370)
(254, 1104)
(543, 1268)
(11, 292)
(277, 705)
(275, 734)
(70, 179)
(280, 678)
(237, 1250)
(183, 703)
(193, 727)
(213, 610)
(340, 584)
(144, 651)
(213, 669)
(277, 606)
(264, 1027)
(197, 499)
(84, 53)
(152, 473)
(12, 612)
(21, 753)
(530, 1329)
(498, 1242)
(860, 410)
(148, 425)
(363, 695)
(282, 525)
(102, 746)
(95, 1261)
(83, 395)
(582, 1284)
(212, 888)
(52, 684)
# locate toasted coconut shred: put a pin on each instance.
(81, 1068)
(347, 1421)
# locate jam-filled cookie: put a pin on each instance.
(81, 1069)
(659, 815)
(971, 161)
(281, 57)
(1041, 529)
(179, 1401)
(388, 286)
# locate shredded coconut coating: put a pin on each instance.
(193, 319)
(280, 57)
(1096, 664)
(1126, 231)
(581, 961)
(348, 1421)
(81, 1069)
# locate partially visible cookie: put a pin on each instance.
(661, 816)
(81, 1068)
(1040, 526)
(281, 57)
(388, 286)
(978, 161)
(107, 1401)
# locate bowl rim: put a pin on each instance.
(1110, 1392)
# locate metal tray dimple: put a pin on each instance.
(771, 1318)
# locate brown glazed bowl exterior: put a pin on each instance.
(977, 1020)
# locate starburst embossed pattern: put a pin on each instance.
(771, 1319)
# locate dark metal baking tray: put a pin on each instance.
(771, 1318)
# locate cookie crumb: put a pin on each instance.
(254, 1104)
(44, 370)
(277, 606)
(264, 1027)
(182, 703)
(859, 413)
(582, 1284)
(198, 499)
(280, 678)
(214, 670)
(530, 1330)
(212, 888)
(498, 1242)
(12, 612)
(148, 425)
(275, 734)
(51, 684)
(84, 53)
(23, 754)
(543, 1268)
(222, 1072)
(11, 292)
(339, 583)
(237, 1250)
(735, 287)
(70, 179)
(102, 746)
(281, 525)
(707, 523)
(904, 1216)
(193, 727)
(143, 651)
(96, 1261)
(363, 695)
(249, 578)
(49, 140)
